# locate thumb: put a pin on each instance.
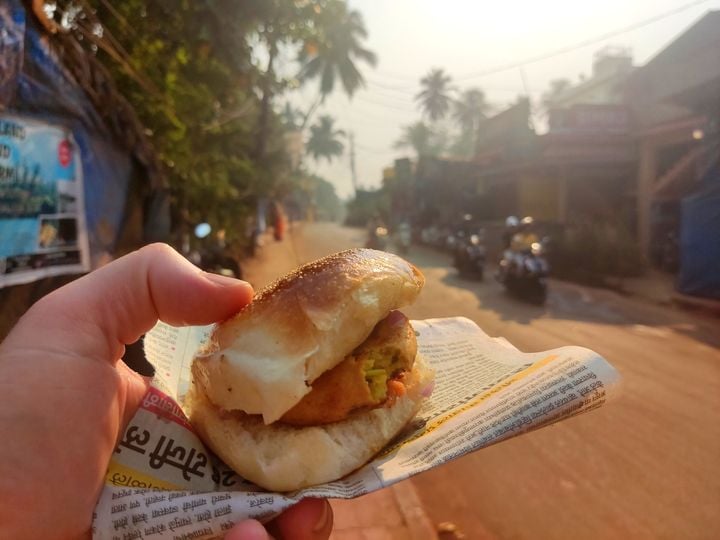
(249, 529)
(105, 310)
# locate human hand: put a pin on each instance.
(67, 395)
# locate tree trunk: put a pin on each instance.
(310, 111)
(263, 121)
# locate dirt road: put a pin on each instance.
(645, 466)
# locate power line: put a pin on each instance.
(395, 76)
(405, 89)
(412, 89)
(374, 150)
(405, 99)
(388, 105)
(408, 90)
(375, 114)
(580, 45)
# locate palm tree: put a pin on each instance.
(324, 141)
(335, 45)
(334, 51)
(469, 111)
(434, 97)
(291, 117)
(421, 138)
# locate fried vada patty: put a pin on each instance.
(249, 380)
(371, 376)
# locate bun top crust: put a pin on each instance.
(263, 360)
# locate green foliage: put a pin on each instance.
(469, 111)
(423, 139)
(334, 49)
(366, 205)
(195, 99)
(328, 204)
(434, 98)
(324, 139)
(323, 198)
(191, 71)
(313, 196)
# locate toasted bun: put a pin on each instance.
(280, 457)
(263, 360)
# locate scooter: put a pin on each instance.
(469, 257)
(378, 238)
(525, 274)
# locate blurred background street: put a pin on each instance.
(572, 149)
(644, 466)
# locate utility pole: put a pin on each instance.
(526, 86)
(353, 172)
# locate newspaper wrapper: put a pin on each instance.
(163, 483)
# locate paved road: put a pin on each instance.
(645, 466)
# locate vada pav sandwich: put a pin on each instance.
(309, 381)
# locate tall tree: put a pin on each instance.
(333, 52)
(324, 141)
(188, 74)
(469, 111)
(434, 98)
(421, 138)
(329, 39)
(281, 24)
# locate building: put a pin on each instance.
(84, 183)
(625, 146)
(581, 169)
(675, 102)
(611, 68)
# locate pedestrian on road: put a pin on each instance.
(67, 395)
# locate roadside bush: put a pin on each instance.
(366, 205)
(592, 252)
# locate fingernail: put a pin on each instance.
(322, 521)
(223, 281)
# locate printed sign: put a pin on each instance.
(42, 211)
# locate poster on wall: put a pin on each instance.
(42, 211)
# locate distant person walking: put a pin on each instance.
(279, 222)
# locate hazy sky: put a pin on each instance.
(468, 38)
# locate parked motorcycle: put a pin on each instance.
(469, 257)
(212, 255)
(524, 274)
(219, 262)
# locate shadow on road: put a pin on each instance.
(569, 301)
(491, 296)
(566, 301)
